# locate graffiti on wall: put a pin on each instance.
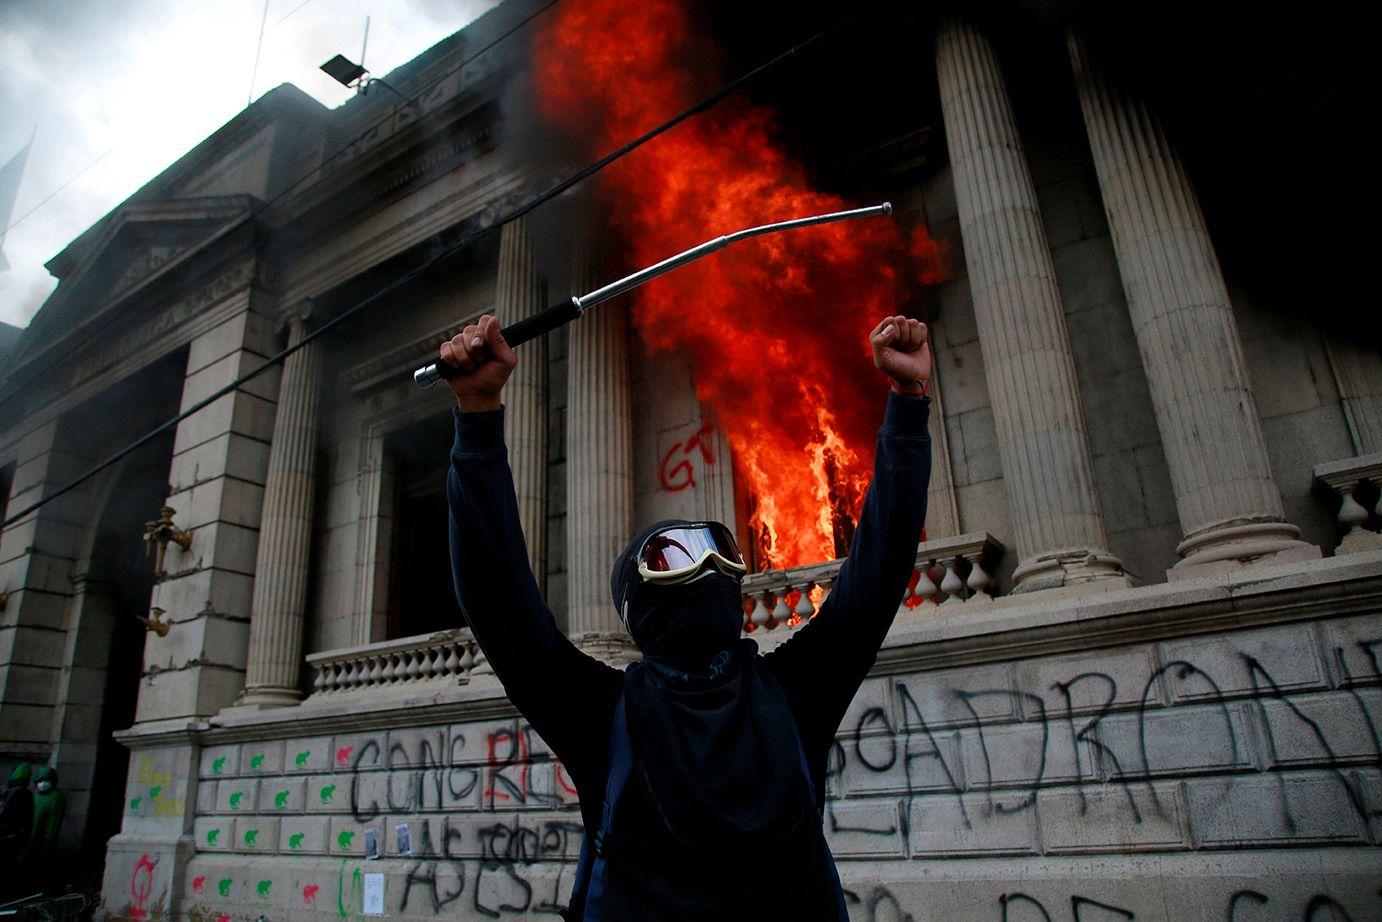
(1132, 747)
(152, 791)
(492, 829)
(677, 470)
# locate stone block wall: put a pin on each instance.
(1156, 774)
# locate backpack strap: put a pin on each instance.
(588, 893)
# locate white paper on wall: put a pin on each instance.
(374, 894)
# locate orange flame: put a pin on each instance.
(775, 329)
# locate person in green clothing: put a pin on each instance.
(16, 827)
(50, 804)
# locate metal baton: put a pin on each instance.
(558, 314)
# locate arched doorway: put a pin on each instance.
(112, 583)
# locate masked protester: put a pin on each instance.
(706, 761)
(50, 805)
(16, 826)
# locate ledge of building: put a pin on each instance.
(1066, 620)
(378, 710)
(1012, 627)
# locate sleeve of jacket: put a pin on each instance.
(823, 664)
(566, 695)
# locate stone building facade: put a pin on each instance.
(1138, 676)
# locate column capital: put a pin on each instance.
(299, 315)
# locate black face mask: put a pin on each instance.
(691, 621)
(686, 623)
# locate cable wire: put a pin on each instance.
(416, 272)
(412, 101)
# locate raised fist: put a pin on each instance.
(902, 351)
(485, 361)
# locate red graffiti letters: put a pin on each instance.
(682, 474)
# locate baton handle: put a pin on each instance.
(514, 334)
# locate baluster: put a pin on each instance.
(376, 671)
(347, 677)
(760, 615)
(781, 612)
(1352, 514)
(416, 668)
(950, 583)
(451, 665)
(926, 587)
(319, 677)
(825, 592)
(390, 668)
(804, 609)
(467, 657)
(978, 581)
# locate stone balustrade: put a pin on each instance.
(1354, 483)
(949, 571)
(446, 657)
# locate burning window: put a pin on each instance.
(775, 330)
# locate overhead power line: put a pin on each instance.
(418, 271)
(54, 194)
(117, 315)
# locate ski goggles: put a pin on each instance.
(677, 554)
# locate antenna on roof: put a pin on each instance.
(364, 43)
(258, 48)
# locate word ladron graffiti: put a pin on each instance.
(874, 746)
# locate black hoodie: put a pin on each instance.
(687, 840)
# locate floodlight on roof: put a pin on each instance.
(343, 70)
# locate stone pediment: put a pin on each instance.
(135, 246)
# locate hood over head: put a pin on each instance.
(684, 623)
(21, 775)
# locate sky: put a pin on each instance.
(131, 85)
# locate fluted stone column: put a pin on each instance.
(1059, 532)
(518, 294)
(599, 458)
(285, 533)
(1229, 506)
